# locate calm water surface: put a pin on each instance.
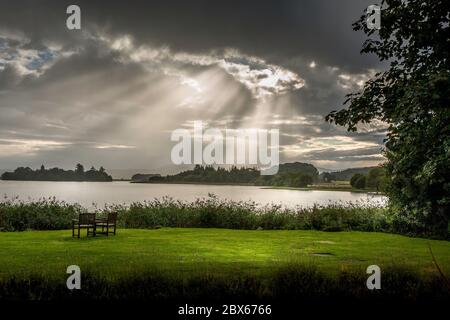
(98, 193)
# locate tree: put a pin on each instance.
(376, 178)
(412, 98)
(302, 180)
(79, 169)
(361, 182)
(358, 181)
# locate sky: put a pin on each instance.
(111, 93)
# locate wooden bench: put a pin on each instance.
(107, 223)
(85, 221)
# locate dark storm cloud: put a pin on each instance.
(315, 29)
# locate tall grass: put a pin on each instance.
(211, 212)
(44, 214)
(215, 213)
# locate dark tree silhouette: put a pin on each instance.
(56, 174)
(79, 169)
(290, 175)
(413, 98)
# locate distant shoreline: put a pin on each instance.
(57, 174)
(312, 188)
(199, 183)
(325, 189)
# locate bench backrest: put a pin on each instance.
(86, 218)
(112, 217)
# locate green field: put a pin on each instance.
(218, 251)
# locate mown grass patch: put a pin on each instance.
(219, 251)
(194, 264)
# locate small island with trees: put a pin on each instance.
(57, 174)
(294, 175)
(297, 175)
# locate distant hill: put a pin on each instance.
(321, 170)
(347, 174)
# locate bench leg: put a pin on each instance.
(78, 232)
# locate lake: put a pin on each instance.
(91, 194)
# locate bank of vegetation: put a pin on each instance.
(211, 212)
(289, 175)
(57, 174)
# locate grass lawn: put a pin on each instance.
(186, 250)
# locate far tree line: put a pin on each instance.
(287, 176)
(57, 174)
(296, 175)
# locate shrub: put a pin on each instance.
(211, 212)
(45, 214)
(358, 181)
